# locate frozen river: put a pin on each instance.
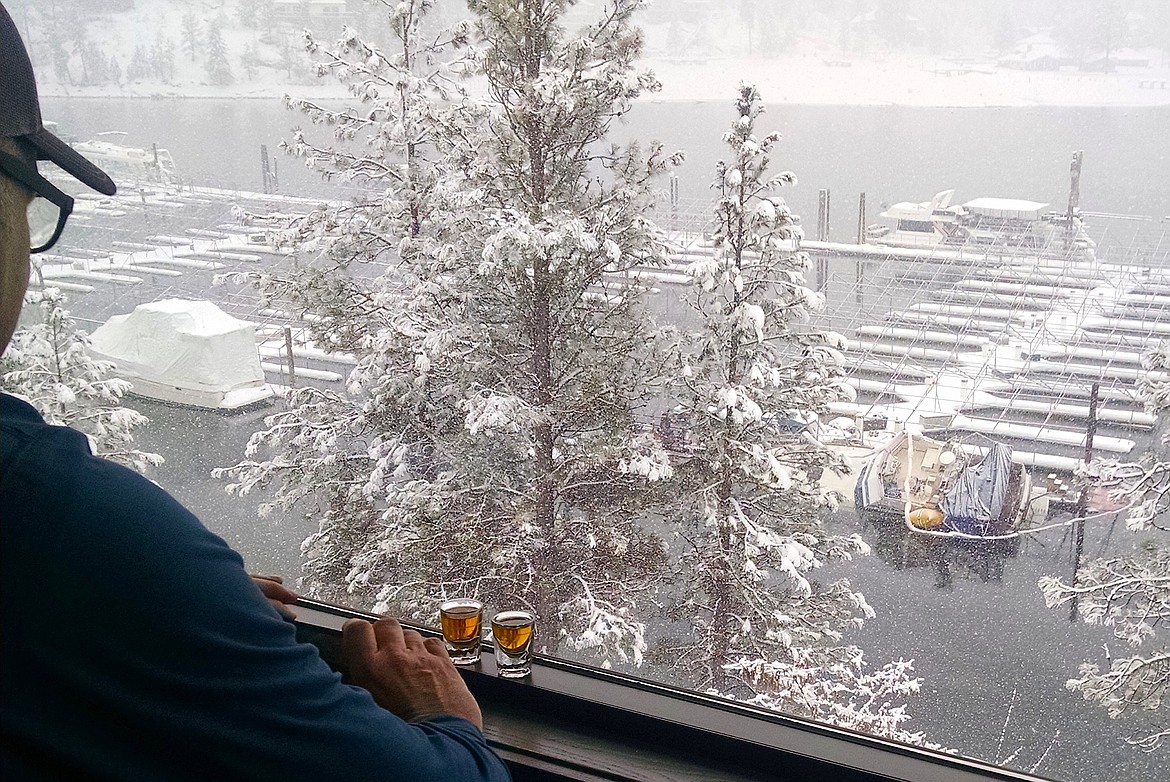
(993, 658)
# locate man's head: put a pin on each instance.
(32, 209)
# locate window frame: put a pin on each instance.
(569, 721)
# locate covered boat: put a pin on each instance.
(1003, 225)
(132, 165)
(938, 486)
(185, 352)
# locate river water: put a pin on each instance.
(993, 659)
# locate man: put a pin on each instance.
(133, 645)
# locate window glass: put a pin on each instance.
(800, 418)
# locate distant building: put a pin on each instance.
(1037, 52)
(1119, 58)
(309, 10)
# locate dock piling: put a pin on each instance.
(861, 219)
(823, 215)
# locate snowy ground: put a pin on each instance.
(910, 82)
(818, 75)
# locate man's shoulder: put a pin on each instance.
(22, 427)
(49, 476)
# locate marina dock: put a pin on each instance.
(997, 345)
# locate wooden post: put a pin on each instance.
(288, 349)
(264, 166)
(822, 215)
(861, 220)
(828, 212)
(1083, 498)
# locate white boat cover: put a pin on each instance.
(190, 352)
(975, 502)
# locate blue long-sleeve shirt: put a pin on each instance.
(133, 645)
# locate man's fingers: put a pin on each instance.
(273, 588)
(389, 634)
(436, 647)
(414, 641)
(358, 641)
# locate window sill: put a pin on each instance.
(571, 722)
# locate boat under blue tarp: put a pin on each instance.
(976, 503)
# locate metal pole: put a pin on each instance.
(288, 349)
(1083, 498)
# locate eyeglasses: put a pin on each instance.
(50, 207)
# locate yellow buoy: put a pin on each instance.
(926, 518)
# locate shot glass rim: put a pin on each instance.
(531, 616)
(461, 601)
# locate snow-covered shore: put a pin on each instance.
(909, 82)
(797, 80)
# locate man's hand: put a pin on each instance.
(407, 675)
(278, 594)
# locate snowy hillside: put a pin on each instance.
(252, 48)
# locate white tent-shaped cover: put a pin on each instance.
(187, 352)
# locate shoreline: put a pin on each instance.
(1022, 104)
(783, 82)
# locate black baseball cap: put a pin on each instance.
(20, 112)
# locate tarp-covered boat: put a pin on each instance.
(938, 486)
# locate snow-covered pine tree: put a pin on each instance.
(190, 34)
(488, 445)
(1130, 593)
(250, 61)
(382, 147)
(246, 12)
(48, 365)
(162, 58)
(288, 55)
(219, 70)
(139, 67)
(746, 498)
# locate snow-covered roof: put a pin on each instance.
(1011, 208)
(920, 211)
(908, 210)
